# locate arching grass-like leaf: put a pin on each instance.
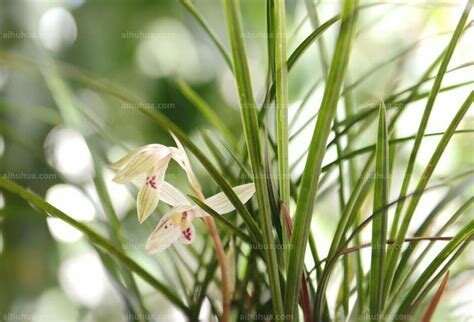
(394, 252)
(95, 238)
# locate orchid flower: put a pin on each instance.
(146, 167)
(177, 224)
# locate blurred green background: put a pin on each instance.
(48, 271)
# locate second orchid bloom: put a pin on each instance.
(146, 167)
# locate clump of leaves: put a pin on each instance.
(266, 242)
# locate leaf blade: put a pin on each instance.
(309, 184)
(379, 224)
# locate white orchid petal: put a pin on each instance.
(221, 204)
(198, 212)
(145, 160)
(180, 156)
(183, 208)
(163, 236)
(187, 235)
(147, 201)
(149, 195)
(142, 163)
(125, 159)
(172, 196)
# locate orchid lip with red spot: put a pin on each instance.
(151, 182)
(148, 164)
(177, 224)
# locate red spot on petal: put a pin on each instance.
(151, 182)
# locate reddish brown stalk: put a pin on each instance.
(221, 257)
(389, 242)
(434, 302)
(304, 291)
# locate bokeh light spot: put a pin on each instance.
(57, 29)
(67, 151)
(83, 279)
(71, 201)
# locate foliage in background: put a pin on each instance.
(297, 251)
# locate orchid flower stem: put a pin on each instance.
(221, 257)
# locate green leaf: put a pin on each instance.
(399, 282)
(219, 157)
(202, 21)
(422, 128)
(162, 121)
(219, 218)
(207, 111)
(309, 183)
(394, 252)
(94, 238)
(462, 237)
(379, 224)
(281, 85)
(392, 142)
(250, 123)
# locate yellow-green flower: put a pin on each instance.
(177, 224)
(146, 167)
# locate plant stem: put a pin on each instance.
(225, 278)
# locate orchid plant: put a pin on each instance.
(146, 166)
(300, 251)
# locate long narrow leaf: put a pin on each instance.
(250, 123)
(379, 224)
(394, 252)
(309, 184)
(463, 236)
(206, 110)
(95, 238)
(436, 298)
(281, 85)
